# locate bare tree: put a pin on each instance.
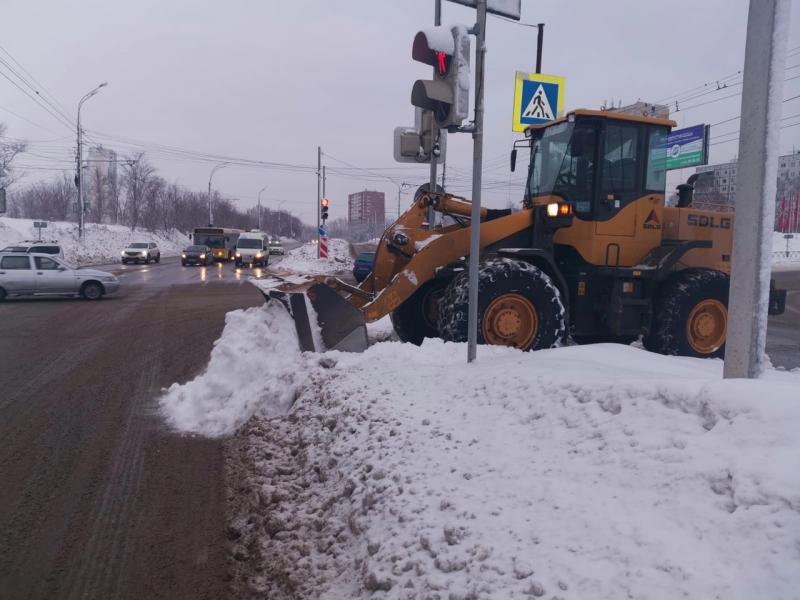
(8, 152)
(137, 177)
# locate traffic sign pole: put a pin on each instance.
(477, 166)
(756, 183)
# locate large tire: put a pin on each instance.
(416, 318)
(518, 305)
(92, 290)
(690, 316)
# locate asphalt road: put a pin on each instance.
(97, 500)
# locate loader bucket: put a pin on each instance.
(338, 324)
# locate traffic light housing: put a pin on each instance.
(323, 208)
(447, 94)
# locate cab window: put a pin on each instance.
(656, 180)
(15, 262)
(619, 158)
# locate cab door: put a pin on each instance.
(620, 179)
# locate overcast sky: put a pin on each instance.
(271, 81)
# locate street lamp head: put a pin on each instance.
(102, 85)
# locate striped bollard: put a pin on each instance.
(323, 242)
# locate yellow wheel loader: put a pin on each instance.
(594, 253)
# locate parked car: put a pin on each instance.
(275, 247)
(363, 266)
(141, 251)
(47, 275)
(52, 247)
(253, 249)
(197, 255)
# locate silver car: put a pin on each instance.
(48, 275)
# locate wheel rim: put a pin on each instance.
(510, 320)
(707, 326)
(92, 292)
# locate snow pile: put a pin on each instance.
(101, 244)
(255, 368)
(580, 472)
(304, 259)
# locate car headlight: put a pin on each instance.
(183, 254)
(144, 253)
(258, 255)
(238, 255)
(202, 256)
(122, 253)
(108, 278)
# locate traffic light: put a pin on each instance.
(323, 209)
(447, 94)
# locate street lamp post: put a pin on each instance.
(259, 206)
(210, 177)
(81, 212)
(281, 203)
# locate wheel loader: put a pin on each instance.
(594, 254)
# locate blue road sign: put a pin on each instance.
(538, 98)
(322, 231)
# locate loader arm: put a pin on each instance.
(407, 257)
(400, 269)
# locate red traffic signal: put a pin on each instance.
(323, 210)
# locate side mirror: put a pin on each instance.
(513, 159)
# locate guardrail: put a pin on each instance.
(783, 255)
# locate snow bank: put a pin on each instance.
(581, 472)
(255, 368)
(304, 259)
(101, 244)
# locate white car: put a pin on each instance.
(52, 247)
(47, 275)
(141, 251)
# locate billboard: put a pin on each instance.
(687, 147)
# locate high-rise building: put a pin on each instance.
(366, 208)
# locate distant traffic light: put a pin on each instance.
(323, 208)
(447, 94)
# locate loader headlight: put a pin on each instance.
(559, 209)
(259, 255)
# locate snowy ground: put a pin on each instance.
(102, 243)
(600, 472)
(304, 259)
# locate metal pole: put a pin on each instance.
(80, 174)
(477, 166)
(319, 175)
(437, 21)
(756, 182)
(210, 177)
(259, 206)
(539, 42)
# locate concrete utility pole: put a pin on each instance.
(79, 180)
(477, 178)
(259, 206)
(210, 177)
(756, 184)
(319, 175)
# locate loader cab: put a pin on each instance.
(600, 162)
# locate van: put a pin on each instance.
(253, 249)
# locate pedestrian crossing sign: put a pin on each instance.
(537, 99)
